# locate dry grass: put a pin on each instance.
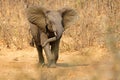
(90, 29)
(98, 26)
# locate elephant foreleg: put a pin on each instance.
(55, 49)
(36, 40)
(40, 54)
(49, 55)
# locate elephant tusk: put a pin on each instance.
(55, 33)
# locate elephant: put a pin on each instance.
(47, 27)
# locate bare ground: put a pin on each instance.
(88, 64)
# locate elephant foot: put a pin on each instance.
(41, 64)
(52, 66)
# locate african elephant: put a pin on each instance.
(47, 28)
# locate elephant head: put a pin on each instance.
(55, 21)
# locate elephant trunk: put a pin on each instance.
(58, 31)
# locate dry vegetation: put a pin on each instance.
(98, 26)
(95, 16)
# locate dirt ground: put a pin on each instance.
(88, 64)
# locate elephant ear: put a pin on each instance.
(36, 15)
(69, 16)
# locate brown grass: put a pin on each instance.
(98, 25)
(90, 29)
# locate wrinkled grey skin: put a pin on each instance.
(47, 28)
